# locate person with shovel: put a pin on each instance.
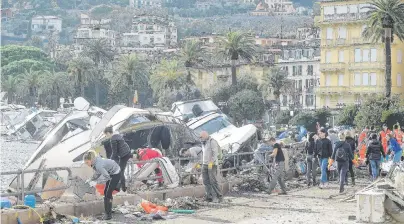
(105, 171)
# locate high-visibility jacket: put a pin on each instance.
(383, 139)
(148, 154)
(398, 134)
(362, 142)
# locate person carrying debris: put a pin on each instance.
(210, 161)
(342, 154)
(146, 154)
(311, 159)
(279, 166)
(325, 151)
(105, 171)
(351, 141)
(120, 152)
(374, 154)
(394, 148)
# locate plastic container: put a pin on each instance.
(100, 188)
(5, 203)
(30, 201)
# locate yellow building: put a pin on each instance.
(352, 67)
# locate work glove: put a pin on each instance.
(210, 165)
(93, 183)
(197, 166)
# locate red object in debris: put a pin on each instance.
(100, 188)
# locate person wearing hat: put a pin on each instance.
(325, 151)
(383, 138)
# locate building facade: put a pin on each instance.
(91, 29)
(44, 24)
(151, 31)
(352, 67)
(145, 3)
(302, 65)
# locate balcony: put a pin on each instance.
(367, 66)
(332, 67)
(331, 90)
(366, 90)
(361, 40)
(343, 18)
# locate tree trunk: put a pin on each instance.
(388, 62)
(82, 90)
(189, 81)
(233, 73)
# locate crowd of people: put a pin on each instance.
(350, 149)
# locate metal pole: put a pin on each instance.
(18, 187)
(22, 185)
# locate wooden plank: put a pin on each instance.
(52, 183)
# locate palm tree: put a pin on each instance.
(236, 45)
(81, 68)
(193, 54)
(55, 85)
(30, 83)
(132, 74)
(275, 83)
(167, 77)
(102, 54)
(385, 14)
(10, 85)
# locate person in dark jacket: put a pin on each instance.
(374, 154)
(105, 171)
(311, 159)
(351, 141)
(324, 148)
(342, 154)
(120, 152)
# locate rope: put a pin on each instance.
(24, 206)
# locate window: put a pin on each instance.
(342, 32)
(365, 79)
(286, 54)
(358, 55)
(341, 9)
(309, 100)
(357, 79)
(329, 10)
(353, 8)
(330, 33)
(299, 70)
(328, 57)
(298, 54)
(327, 101)
(328, 80)
(399, 56)
(341, 79)
(366, 55)
(399, 83)
(373, 55)
(294, 70)
(372, 79)
(213, 126)
(310, 70)
(341, 56)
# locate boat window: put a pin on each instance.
(134, 119)
(213, 125)
(30, 128)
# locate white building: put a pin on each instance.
(303, 67)
(94, 29)
(41, 24)
(145, 3)
(150, 31)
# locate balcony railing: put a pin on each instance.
(324, 67)
(366, 89)
(331, 89)
(335, 18)
(360, 40)
(367, 65)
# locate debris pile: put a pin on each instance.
(186, 203)
(251, 183)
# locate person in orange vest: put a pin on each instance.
(145, 154)
(383, 138)
(398, 134)
(362, 143)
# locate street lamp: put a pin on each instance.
(388, 24)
